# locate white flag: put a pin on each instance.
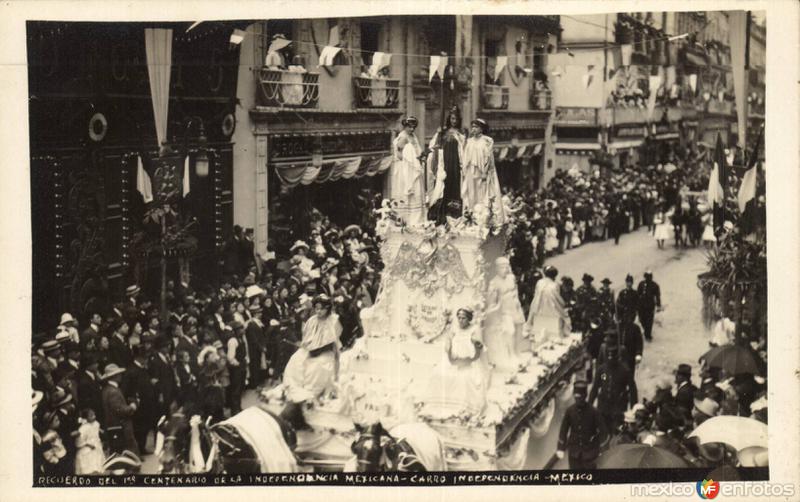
(186, 176)
(143, 184)
(502, 61)
(237, 36)
(626, 51)
(328, 54)
(747, 190)
(693, 82)
(715, 192)
(434, 67)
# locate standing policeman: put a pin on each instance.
(605, 300)
(586, 303)
(582, 431)
(649, 301)
(614, 388)
(627, 302)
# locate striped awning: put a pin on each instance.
(304, 172)
(578, 146)
(627, 143)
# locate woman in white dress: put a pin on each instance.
(662, 230)
(709, 239)
(504, 318)
(458, 385)
(407, 185)
(314, 367)
(481, 184)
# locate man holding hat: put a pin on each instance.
(118, 412)
(649, 297)
(613, 387)
(627, 302)
(582, 431)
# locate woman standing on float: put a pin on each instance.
(406, 176)
(446, 160)
(480, 175)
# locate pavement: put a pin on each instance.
(678, 333)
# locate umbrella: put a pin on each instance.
(734, 359)
(640, 456)
(739, 432)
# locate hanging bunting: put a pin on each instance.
(693, 82)
(328, 54)
(186, 187)
(237, 37)
(502, 61)
(143, 183)
(655, 83)
(433, 69)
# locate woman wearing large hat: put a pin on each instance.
(481, 184)
(315, 365)
(275, 58)
(406, 183)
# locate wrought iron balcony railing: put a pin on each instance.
(376, 93)
(288, 89)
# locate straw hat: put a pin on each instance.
(111, 370)
(278, 42)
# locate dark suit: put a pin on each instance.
(257, 345)
(684, 398)
(167, 386)
(627, 305)
(119, 352)
(118, 422)
(137, 384)
(582, 431)
(649, 299)
(90, 394)
(633, 344)
(186, 344)
(615, 390)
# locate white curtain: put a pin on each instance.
(158, 47)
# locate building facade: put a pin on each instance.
(320, 135)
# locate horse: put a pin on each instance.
(186, 444)
(411, 447)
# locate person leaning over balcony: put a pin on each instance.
(276, 54)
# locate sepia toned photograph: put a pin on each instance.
(359, 249)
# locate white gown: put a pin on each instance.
(406, 179)
(547, 316)
(480, 178)
(503, 324)
(309, 377)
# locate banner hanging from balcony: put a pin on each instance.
(304, 173)
(158, 50)
(437, 66)
(328, 54)
(654, 83)
(737, 23)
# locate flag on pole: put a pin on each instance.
(433, 69)
(748, 190)
(717, 183)
(237, 37)
(143, 184)
(186, 187)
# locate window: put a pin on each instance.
(492, 49)
(370, 41)
(283, 27)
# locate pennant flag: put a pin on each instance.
(748, 221)
(434, 67)
(626, 51)
(333, 36)
(143, 184)
(693, 82)
(328, 54)
(655, 83)
(502, 61)
(186, 177)
(737, 29)
(237, 36)
(747, 190)
(717, 184)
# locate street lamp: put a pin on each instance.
(202, 161)
(316, 153)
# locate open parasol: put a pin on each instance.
(739, 432)
(640, 456)
(734, 359)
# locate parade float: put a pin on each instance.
(389, 374)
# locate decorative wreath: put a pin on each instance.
(98, 127)
(228, 125)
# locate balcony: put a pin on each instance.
(541, 99)
(494, 97)
(285, 89)
(376, 93)
(634, 115)
(720, 107)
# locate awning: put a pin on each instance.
(304, 173)
(577, 146)
(628, 143)
(668, 136)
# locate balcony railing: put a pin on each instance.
(495, 97)
(542, 99)
(376, 93)
(288, 89)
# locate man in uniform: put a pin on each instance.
(614, 388)
(586, 303)
(627, 302)
(582, 431)
(605, 299)
(649, 297)
(632, 344)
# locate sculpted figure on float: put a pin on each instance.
(504, 318)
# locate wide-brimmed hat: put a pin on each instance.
(50, 346)
(684, 369)
(606, 280)
(587, 278)
(322, 299)
(329, 264)
(66, 317)
(707, 406)
(36, 399)
(352, 228)
(754, 456)
(254, 290)
(62, 336)
(298, 245)
(278, 42)
(126, 461)
(410, 121)
(256, 307)
(132, 290)
(111, 370)
(482, 124)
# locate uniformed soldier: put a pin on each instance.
(605, 298)
(632, 343)
(613, 388)
(627, 302)
(649, 297)
(684, 395)
(586, 303)
(582, 431)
